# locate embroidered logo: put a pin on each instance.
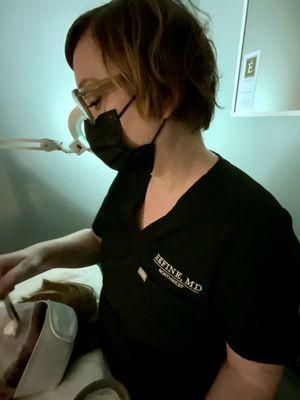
(142, 273)
(175, 276)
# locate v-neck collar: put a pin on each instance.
(141, 190)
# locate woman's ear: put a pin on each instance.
(171, 104)
(168, 111)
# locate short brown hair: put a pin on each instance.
(163, 53)
(80, 297)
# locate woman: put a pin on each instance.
(191, 247)
(16, 351)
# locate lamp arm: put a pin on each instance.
(78, 146)
(48, 145)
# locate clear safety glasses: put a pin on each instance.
(91, 94)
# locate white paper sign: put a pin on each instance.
(247, 81)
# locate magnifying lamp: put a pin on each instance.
(78, 146)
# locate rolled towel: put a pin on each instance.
(104, 389)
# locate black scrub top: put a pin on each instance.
(221, 266)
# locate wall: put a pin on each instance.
(267, 148)
(47, 195)
(43, 195)
(278, 41)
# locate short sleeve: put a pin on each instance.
(108, 204)
(257, 292)
(97, 225)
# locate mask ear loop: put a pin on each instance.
(164, 121)
(125, 108)
(127, 105)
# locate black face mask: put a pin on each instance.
(106, 141)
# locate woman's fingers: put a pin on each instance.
(8, 261)
(14, 275)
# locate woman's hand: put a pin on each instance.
(19, 265)
(79, 249)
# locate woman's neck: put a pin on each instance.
(180, 156)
